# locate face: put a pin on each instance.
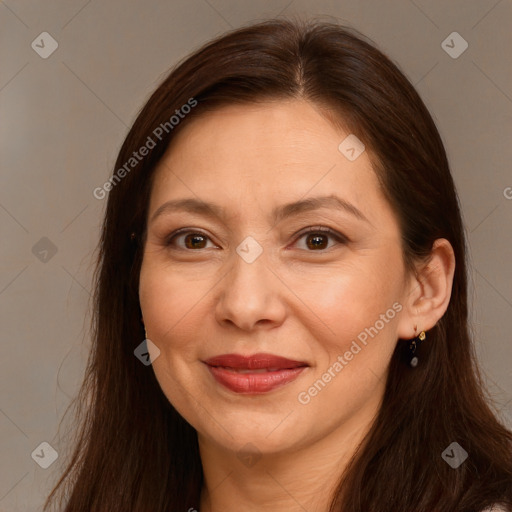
(320, 284)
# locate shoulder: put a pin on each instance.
(495, 508)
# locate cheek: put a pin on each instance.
(165, 298)
(166, 304)
(354, 304)
(350, 294)
(168, 310)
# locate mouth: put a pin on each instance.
(246, 370)
(256, 374)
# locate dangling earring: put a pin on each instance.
(413, 345)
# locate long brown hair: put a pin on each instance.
(134, 452)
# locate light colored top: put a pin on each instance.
(495, 508)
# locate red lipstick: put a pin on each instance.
(254, 374)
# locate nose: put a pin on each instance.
(251, 295)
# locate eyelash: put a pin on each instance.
(312, 230)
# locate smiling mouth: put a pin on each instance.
(256, 374)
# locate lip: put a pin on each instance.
(233, 371)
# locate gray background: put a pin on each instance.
(63, 119)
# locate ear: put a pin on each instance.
(428, 293)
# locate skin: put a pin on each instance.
(295, 300)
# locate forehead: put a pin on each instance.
(288, 132)
(266, 153)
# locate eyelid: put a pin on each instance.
(339, 237)
(323, 229)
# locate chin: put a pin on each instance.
(248, 435)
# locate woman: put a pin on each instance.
(283, 231)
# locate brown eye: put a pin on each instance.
(193, 240)
(317, 239)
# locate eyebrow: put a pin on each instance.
(279, 213)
